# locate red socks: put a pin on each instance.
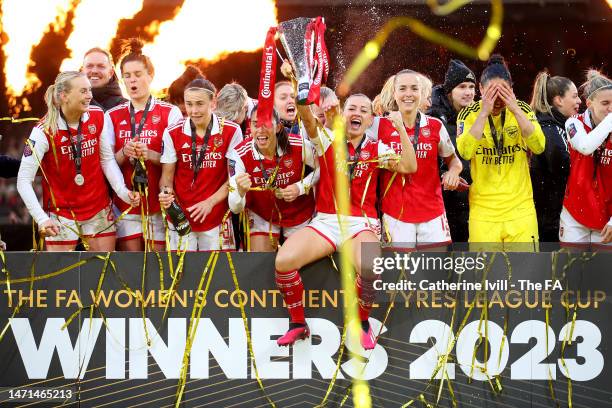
(290, 285)
(366, 294)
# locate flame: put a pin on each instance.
(208, 30)
(200, 30)
(25, 22)
(95, 25)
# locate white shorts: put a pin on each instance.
(205, 240)
(328, 227)
(572, 232)
(420, 235)
(259, 226)
(100, 225)
(130, 227)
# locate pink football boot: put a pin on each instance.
(368, 341)
(293, 335)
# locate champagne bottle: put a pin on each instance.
(178, 218)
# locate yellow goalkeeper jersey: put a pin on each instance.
(501, 187)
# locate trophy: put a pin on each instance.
(302, 39)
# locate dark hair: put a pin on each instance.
(546, 88)
(176, 90)
(496, 68)
(202, 83)
(131, 50)
(282, 137)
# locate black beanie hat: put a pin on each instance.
(496, 68)
(457, 73)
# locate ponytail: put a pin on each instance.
(545, 89)
(52, 99)
(131, 50)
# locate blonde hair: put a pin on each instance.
(52, 99)
(426, 86)
(596, 81)
(387, 101)
(545, 89)
(230, 101)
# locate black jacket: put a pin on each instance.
(549, 171)
(108, 96)
(456, 203)
(9, 167)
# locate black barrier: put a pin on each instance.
(495, 346)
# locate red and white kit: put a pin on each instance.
(364, 179)
(69, 203)
(267, 213)
(118, 132)
(205, 235)
(587, 206)
(412, 204)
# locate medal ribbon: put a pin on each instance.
(75, 145)
(195, 158)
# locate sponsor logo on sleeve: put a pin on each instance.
(232, 167)
(27, 151)
(571, 130)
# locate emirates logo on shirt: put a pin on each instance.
(92, 128)
(155, 119)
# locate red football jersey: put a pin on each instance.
(588, 195)
(246, 158)
(365, 176)
(84, 201)
(212, 175)
(160, 116)
(416, 197)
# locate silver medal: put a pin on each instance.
(79, 180)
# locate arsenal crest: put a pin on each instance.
(365, 155)
(426, 132)
(288, 163)
(92, 128)
(155, 119)
(218, 141)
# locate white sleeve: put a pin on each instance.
(108, 132)
(372, 131)
(236, 167)
(445, 146)
(587, 143)
(111, 168)
(36, 148)
(169, 152)
(236, 138)
(610, 222)
(311, 161)
(174, 116)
